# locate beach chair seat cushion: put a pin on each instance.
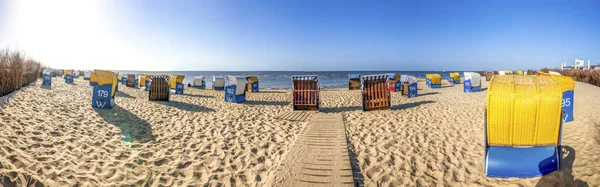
(522, 162)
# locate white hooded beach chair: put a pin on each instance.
(199, 82)
(409, 86)
(47, 78)
(472, 82)
(218, 83)
(235, 89)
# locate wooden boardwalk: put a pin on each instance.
(319, 157)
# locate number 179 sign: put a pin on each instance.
(102, 96)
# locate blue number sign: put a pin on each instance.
(567, 105)
(69, 78)
(179, 88)
(102, 96)
(47, 81)
(412, 90)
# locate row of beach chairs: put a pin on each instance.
(523, 115)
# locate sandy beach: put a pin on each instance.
(54, 136)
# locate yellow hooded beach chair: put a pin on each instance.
(433, 80)
(103, 95)
(454, 78)
(176, 83)
(522, 126)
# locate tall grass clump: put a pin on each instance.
(585, 76)
(17, 71)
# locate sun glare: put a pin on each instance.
(67, 33)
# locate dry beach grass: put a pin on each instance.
(54, 137)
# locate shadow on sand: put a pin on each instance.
(185, 106)
(268, 91)
(123, 94)
(132, 127)
(17, 179)
(563, 177)
(410, 105)
(359, 179)
(199, 96)
(268, 103)
(429, 93)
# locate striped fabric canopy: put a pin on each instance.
(374, 77)
(150, 77)
(305, 78)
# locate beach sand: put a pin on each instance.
(54, 136)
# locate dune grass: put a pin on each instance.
(17, 71)
(585, 76)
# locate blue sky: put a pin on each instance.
(302, 35)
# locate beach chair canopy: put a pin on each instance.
(251, 79)
(305, 78)
(373, 77)
(353, 81)
(142, 80)
(87, 74)
(403, 78)
(408, 79)
(238, 81)
(93, 77)
(354, 76)
(523, 111)
(393, 76)
(519, 72)
(455, 76)
(174, 79)
(474, 77)
(103, 77)
(564, 82)
(218, 81)
(435, 78)
(505, 72)
(69, 72)
(198, 80)
(554, 73)
(47, 71)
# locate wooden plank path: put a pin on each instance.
(319, 157)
